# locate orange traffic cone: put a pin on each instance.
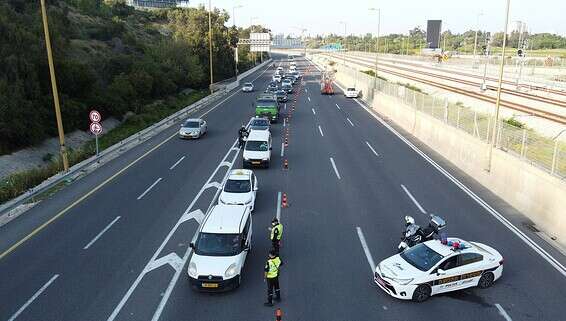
(278, 314)
(284, 203)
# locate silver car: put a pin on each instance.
(193, 128)
(248, 87)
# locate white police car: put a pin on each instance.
(240, 189)
(432, 267)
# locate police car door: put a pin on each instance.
(470, 268)
(447, 275)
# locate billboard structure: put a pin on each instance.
(260, 42)
(433, 29)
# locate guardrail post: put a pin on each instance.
(524, 140)
(554, 156)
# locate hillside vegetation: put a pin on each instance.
(107, 56)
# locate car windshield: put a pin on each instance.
(351, 89)
(248, 84)
(191, 124)
(256, 146)
(421, 256)
(237, 186)
(265, 102)
(213, 244)
(259, 123)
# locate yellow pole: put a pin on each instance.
(498, 100)
(54, 88)
(210, 41)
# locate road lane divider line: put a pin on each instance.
(309, 98)
(417, 204)
(338, 107)
(278, 215)
(38, 293)
(282, 149)
(350, 121)
(313, 111)
(371, 148)
(149, 188)
(335, 168)
(101, 232)
(176, 163)
(320, 130)
(502, 312)
(366, 249)
(285, 106)
(108, 180)
(493, 212)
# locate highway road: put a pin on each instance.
(121, 252)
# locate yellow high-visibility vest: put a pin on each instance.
(279, 228)
(273, 267)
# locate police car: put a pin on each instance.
(437, 266)
(240, 189)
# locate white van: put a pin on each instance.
(257, 151)
(220, 249)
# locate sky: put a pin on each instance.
(397, 16)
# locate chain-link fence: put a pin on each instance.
(547, 153)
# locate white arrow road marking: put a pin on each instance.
(38, 293)
(101, 232)
(172, 259)
(413, 199)
(366, 249)
(149, 188)
(212, 184)
(197, 215)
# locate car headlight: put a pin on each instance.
(402, 281)
(265, 159)
(231, 271)
(193, 270)
(246, 159)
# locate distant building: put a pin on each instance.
(157, 4)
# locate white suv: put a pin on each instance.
(240, 189)
(351, 93)
(257, 151)
(220, 249)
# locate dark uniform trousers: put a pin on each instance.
(273, 286)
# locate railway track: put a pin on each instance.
(505, 103)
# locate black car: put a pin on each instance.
(281, 96)
(287, 88)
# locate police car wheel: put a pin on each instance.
(486, 280)
(422, 293)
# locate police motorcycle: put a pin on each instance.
(415, 234)
(243, 134)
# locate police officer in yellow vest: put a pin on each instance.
(276, 234)
(272, 277)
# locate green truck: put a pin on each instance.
(267, 106)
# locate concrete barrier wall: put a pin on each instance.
(540, 196)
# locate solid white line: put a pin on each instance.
(338, 106)
(335, 169)
(284, 123)
(279, 206)
(373, 150)
(33, 297)
(177, 163)
(320, 130)
(309, 98)
(502, 312)
(413, 199)
(282, 149)
(527, 240)
(149, 188)
(313, 112)
(101, 232)
(285, 106)
(350, 122)
(366, 249)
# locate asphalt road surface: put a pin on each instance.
(121, 253)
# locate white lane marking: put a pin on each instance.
(278, 206)
(309, 98)
(366, 249)
(527, 240)
(101, 232)
(149, 188)
(373, 150)
(313, 111)
(177, 163)
(413, 199)
(38, 293)
(350, 121)
(306, 90)
(282, 149)
(285, 106)
(320, 130)
(284, 123)
(502, 312)
(335, 169)
(338, 106)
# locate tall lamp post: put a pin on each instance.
(476, 37)
(377, 42)
(344, 48)
(54, 88)
(210, 41)
(498, 101)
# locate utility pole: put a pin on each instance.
(498, 101)
(210, 41)
(54, 88)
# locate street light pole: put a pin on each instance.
(210, 41)
(54, 88)
(476, 37)
(498, 101)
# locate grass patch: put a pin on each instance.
(411, 87)
(18, 183)
(372, 73)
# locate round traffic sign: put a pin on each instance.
(95, 128)
(94, 116)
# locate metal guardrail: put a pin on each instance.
(115, 150)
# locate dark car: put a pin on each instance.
(287, 88)
(281, 96)
(259, 123)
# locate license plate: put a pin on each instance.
(210, 285)
(256, 163)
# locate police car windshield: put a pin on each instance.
(256, 146)
(237, 186)
(213, 244)
(421, 256)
